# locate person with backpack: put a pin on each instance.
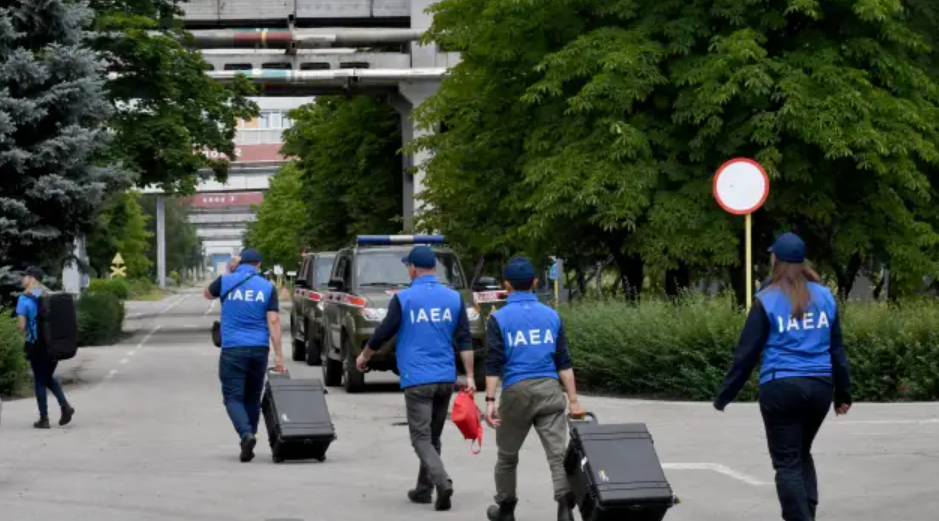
(250, 323)
(528, 352)
(43, 366)
(794, 326)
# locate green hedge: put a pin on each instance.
(140, 287)
(100, 318)
(681, 350)
(13, 367)
(117, 287)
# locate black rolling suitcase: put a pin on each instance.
(297, 418)
(615, 473)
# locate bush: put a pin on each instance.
(140, 287)
(655, 349)
(100, 318)
(117, 287)
(13, 367)
(681, 350)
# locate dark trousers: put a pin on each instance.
(793, 411)
(43, 378)
(427, 407)
(241, 371)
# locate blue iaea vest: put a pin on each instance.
(530, 332)
(425, 349)
(244, 310)
(798, 346)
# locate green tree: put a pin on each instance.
(52, 135)
(628, 115)
(282, 228)
(121, 227)
(349, 168)
(168, 112)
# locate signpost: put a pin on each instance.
(741, 186)
(117, 267)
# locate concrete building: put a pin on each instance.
(297, 49)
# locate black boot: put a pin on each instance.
(43, 423)
(247, 449)
(566, 508)
(67, 412)
(504, 511)
(421, 497)
(444, 493)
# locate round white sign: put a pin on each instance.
(741, 186)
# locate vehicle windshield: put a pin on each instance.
(324, 267)
(384, 268)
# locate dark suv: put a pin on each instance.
(365, 277)
(306, 318)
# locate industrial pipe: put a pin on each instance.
(334, 76)
(302, 38)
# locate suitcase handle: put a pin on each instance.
(588, 416)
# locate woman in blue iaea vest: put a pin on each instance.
(794, 325)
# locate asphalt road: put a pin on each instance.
(151, 441)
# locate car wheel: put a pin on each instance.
(355, 380)
(332, 369)
(299, 350)
(313, 351)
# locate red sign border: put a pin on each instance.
(765, 190)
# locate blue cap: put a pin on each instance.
(250, 256)
(789, 248)
(421, 257)
(519, 269)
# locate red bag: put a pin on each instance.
(469, 419)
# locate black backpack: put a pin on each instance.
(56, 325)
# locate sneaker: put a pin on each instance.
(421, 497)
(247, 449)
(67, 412)
(43, 423)
(443, 497)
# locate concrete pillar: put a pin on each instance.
(412, 95)
(71, 272)
(161, 241)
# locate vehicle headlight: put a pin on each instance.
(472, 314)
(374, 314)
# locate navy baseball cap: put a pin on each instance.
(519, 269)
(34, 272)
(421, 257)
(250, 256)
(789, 248)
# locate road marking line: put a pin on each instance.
(930, 421)
(211, 307)
(720, 469)
(149, 336)
(132, 353)
(112, 373)
(174, 304)
(124, 361)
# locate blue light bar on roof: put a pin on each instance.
(376, 240)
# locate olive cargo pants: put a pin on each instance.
(538, 403)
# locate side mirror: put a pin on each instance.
(337, 284)
(487, 284)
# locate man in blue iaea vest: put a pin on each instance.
(528, 352)
(250, 323)
(794, 325)
(431, 323)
